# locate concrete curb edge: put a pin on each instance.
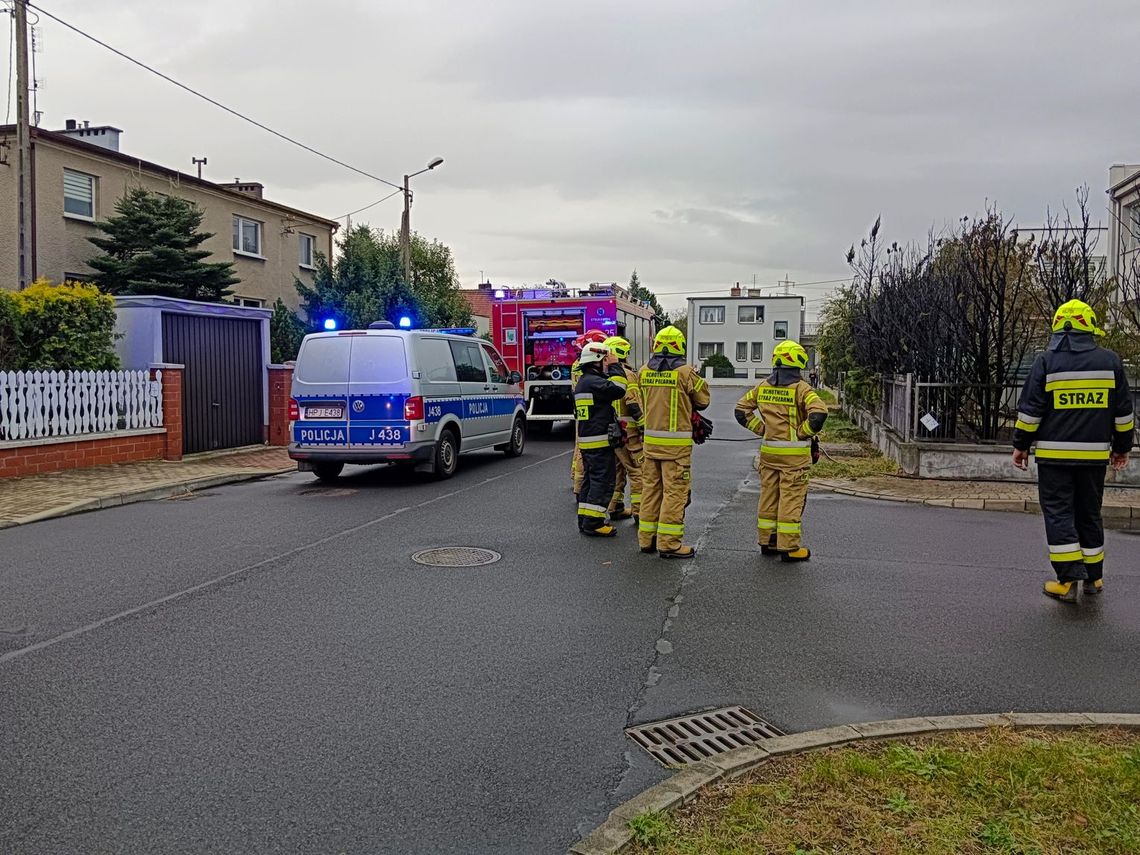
(166, 491)
(614, 835)
(1112, 513)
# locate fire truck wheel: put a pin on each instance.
(446, 455)
(514, 448)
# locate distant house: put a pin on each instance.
(479, 301)
(743, 326)
(78, 174)
(1123, 219)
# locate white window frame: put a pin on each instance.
(755, 357)
(742, 345)
(302, 237)
(715, 310)
(717, 347)
(250, 302)
(92, 181)
(757, 314)
(240, 222)
(776, 330)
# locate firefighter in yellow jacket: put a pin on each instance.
(787, 413)
(670, 391)
(631, 418)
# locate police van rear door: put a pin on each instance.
(380, 383)
(320, 387)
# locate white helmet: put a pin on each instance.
(593, 352)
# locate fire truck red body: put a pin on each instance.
(534, 329)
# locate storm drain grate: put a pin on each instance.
(456, 556)
(692, 738)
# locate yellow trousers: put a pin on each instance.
(783, 494)
(628, 467)
(664, 496)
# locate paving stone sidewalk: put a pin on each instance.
(39, 497)
(1121, 504)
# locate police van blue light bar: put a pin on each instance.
(405, 322)
(453, 330)
(329, 324)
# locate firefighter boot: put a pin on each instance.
(1066, 592)
(801, 553)
(680, 552)
(649, 550)
(606, 530)
(620, 512)
(1092, 587)
(769, 548)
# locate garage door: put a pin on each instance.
(222, 383)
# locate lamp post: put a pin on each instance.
(406, 221)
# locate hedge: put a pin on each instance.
(57, 327)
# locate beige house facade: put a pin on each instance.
(78, 175)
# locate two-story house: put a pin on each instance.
(1124, 220)
(744, 327)
(78, 174)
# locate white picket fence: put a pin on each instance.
(44, 404)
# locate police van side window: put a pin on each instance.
(435, 362)
(468, 362)
(499, 372)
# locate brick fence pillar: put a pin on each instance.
(171, 407)
(280, 388)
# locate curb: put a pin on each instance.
(168, 491)
(614, 835)
(1115, 516)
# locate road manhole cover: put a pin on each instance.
(692, 738)
(456, 556)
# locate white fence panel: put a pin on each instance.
(44, 404)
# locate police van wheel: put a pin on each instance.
(446, 455)
(328, 471)
(514, 448)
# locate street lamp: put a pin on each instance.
(406, 222)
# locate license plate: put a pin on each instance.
(336, 412)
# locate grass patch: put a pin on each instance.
(994, 791)
(828, 397)
(839, 428)
(850, 468)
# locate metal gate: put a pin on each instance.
(222, 391)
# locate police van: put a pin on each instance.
(414, 397)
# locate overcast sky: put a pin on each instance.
(701, 143)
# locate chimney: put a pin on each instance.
(735, 290)
(103, 136)
(71, 124)
(755, 292)
(248, 188)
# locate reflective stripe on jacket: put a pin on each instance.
(779, 414)
(670, 392)
(594, 397)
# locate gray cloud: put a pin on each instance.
(702, 144)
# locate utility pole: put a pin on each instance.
(199, 162)
(25, 205)
(786, 285)
(406, 234)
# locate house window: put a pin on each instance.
(247, 236)
(712, 315)
(306, 255)
(750, 314)
(707, 348)
(250, 302)
(78, 195)
(780, 330)
(757, 351)
(742, 351)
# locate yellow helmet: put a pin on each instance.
(618, 346)
(789, 354)
(1076, 316)
(669, 340)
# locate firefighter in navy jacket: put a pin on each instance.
(1076, 407)
(594, 397)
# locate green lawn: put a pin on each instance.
(994, 791)
(866, 461)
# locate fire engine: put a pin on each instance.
(534, 329)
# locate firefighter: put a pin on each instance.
(670, 392)
(1077, 408)
(594, 398)
(576, 375)
(630, 417)
(787, 414)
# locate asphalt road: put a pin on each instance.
(263, 668)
